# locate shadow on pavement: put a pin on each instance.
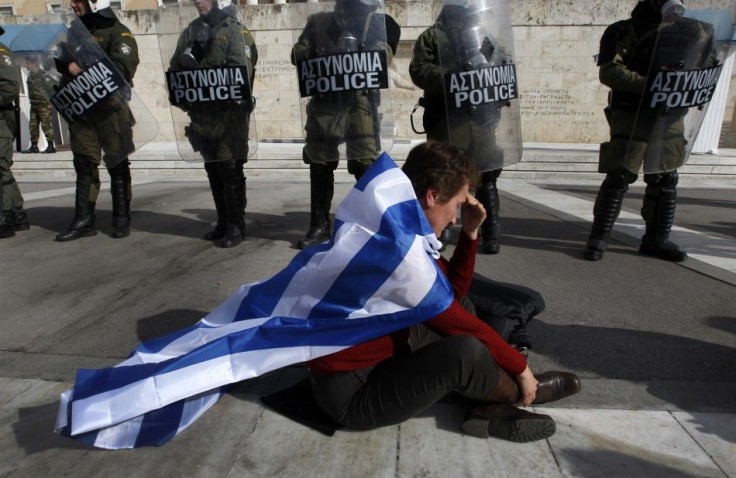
(599, 462)
(290, 227)
(547, 235)
(693, 243)
(34, 430)
(166, 322)
(625, 354)
(713, 211)
(727, 324)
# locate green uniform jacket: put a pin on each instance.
(231, 44)
(120, 45)
(427, 73)
(10, 79)
(106, 131)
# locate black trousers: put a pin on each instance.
(405, 385)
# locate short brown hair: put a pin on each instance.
(440, 166)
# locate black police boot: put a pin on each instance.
(491, 228)
(83, 224)
(32, 149)
(6, 218)
(605, 211)
(235, 201)
(20, 220)
(120, 209)
(322, 188)
(50, 149)
(658, 211)
(6, 225)
(218, 194)
(120, 189)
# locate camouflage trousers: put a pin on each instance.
(40, 115)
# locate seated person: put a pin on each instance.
(390, 379)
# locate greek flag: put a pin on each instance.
(374, 277)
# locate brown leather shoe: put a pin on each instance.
(507, 422)
(556, 385)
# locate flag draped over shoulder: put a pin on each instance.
(376, 276)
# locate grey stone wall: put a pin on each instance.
(555, 40)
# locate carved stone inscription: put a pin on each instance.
(551, 102)
(267, 68)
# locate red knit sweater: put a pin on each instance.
(453, 321)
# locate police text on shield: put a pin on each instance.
(480, 86)
(205, 85)
(683, 89)
(366, 70)
(87, 89)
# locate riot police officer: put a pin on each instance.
(460, 41)
(219, 131)
(12, 216)
(106, 133)
(40, 88)
(350, 117)
(656, 38)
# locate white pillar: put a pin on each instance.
(710, 130)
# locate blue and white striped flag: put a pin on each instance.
(376, 276)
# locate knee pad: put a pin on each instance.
(619, 179)
(665, 181)
(83, 166)
(6, 178)
(490, 176)
(121, 171)
(357, 169)
(230, 169)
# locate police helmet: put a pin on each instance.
(371, 4)
(466, 7)
(669, 9)
(101, 7)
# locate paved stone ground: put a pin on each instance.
(653, 341)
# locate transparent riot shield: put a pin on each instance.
(91, 94)
(475, 48)
(681, 60)
(342, 53)
(209, 58)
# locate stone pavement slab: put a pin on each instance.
(653, 341)
(715, 251)
(628, 443)
(238, 437)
